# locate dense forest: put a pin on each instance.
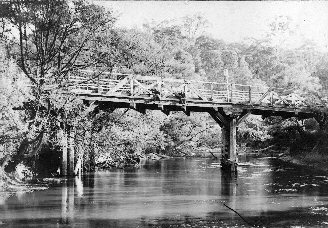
(42, 42)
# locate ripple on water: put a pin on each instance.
(319, 210)
(251, 164)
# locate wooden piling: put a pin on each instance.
(233, 140)
(225, 141)
(229, 140)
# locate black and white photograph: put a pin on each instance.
(163, 114)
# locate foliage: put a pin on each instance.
(13, 92)
(253, 132)
(51, 43)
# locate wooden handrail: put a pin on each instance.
(137, 85)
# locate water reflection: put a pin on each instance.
(228, 185)
(175, 192)
(67, 206)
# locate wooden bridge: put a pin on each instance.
(228, 104)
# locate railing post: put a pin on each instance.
(184, 89)
(231, 92)
(131, 86)
(212, 91)
(98, 84)
(184, 100)
(250, 94)
(228, 93)
(185, 93)
(159, 84)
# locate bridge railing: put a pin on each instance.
(150, 87)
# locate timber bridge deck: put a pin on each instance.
(228, 104)
(168, 94)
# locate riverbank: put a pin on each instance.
(310, 160)
(106, 161)
(11, 184)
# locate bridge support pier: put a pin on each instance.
(229, 120)
(229, 157)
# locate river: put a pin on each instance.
(182, 192)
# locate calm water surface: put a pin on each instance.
(178, 193)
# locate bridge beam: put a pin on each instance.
(137, 107)
(220, 117)
(164, 109)
(187, 112)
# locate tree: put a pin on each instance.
(194, 26)
(242, 73)
(321, 72)
(52, 43)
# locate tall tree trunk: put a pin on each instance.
(92, 158)
(63, 136)
(71, 151)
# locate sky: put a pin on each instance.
(233, 21)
